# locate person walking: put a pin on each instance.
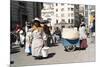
(93, 31)
(51, 32)
(83, 37)
(48, 35)
(22, 38)
(28, 42)
(38, 38)
(57, 35)
(17, 30)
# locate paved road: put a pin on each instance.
(57, 56)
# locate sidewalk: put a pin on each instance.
(57, 56)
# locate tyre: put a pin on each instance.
(70, 48)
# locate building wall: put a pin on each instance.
(22, 11)
(69, 12)
(76, 16)
(91, 13)
(60, 12)
(14, 11)
(64, 13)
(30, 10)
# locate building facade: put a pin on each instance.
(91, 14)
(22, 11)
(64, 13)
(58, 12)
(85, 12)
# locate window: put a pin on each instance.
(56, 15)
(62, 15)
(76, 6)
(68, 9)
(86, 13)
(22, 3)
(62, 9)
(72, 15)
(86, 7)
(68, 14)
(56, 10)
(56, 4)
(72, 4)
(62, 4)
(68, 4)
(72, 9)
(63, 26)
(63, 19)
(68, 20)
(56, 21)
(72, 20)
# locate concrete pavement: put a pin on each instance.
(57, 55)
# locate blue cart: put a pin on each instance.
(70, 45)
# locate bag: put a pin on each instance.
(83, 43)
(28, 50)
(45, 51)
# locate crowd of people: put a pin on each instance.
(37, 35)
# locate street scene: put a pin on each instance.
(51, 33)
(57, 56)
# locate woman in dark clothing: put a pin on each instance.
(83, 37)
(48, 34)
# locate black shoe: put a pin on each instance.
(29, 54)
(11, 62)
(45, 57)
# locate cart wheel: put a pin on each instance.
(70, 48)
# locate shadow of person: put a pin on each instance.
(78, 48)
(50, 55)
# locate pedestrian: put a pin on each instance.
(38, 38)
(83, 37)
(87, 31)
(17, 30)
(28, 42)
(93, 30)
(48, 35)
(51, 32)
(42, 25)
(22, 38)
(56, 35)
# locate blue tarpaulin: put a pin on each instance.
(67, 42)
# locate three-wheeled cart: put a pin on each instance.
(70, 45)
(70, 39)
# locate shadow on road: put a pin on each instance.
(50, 55)
(80, 49)
(76, 49)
